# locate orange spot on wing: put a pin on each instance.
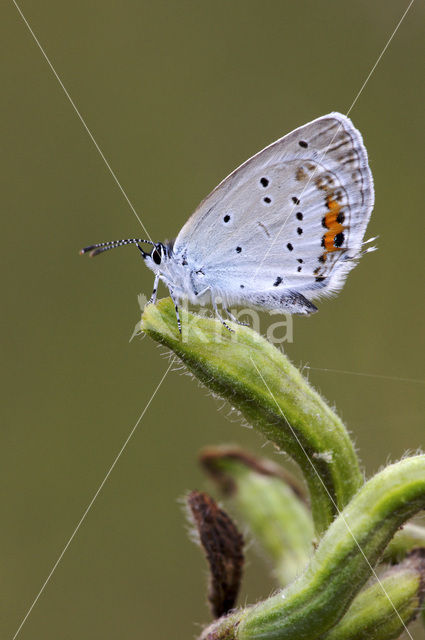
(329, 241)
(331, 223)
(334, 211)
(333, 204)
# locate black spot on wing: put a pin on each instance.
(339, 239)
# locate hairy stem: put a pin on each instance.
(342, 564)
(272, 395)
(383, 610)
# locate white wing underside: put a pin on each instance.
(294, 214)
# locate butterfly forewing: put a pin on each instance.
(290, 218)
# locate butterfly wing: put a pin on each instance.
(290, 220)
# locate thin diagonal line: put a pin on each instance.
(340, 513)
(335, 134)
(80, 522)
(111, 171)
(379, 376)
(379, 58)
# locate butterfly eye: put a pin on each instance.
(156, 255)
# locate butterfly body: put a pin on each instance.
(284, 228)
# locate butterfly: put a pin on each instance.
(283, 229)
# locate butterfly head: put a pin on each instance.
(158, 257)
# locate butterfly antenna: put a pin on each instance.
(95, 249)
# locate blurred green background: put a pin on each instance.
(177, 94)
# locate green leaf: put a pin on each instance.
(383, 610)
(342, 564)
(412, 536)
(272, 395)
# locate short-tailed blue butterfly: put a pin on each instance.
(283, 229)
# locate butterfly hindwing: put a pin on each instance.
(294, 214)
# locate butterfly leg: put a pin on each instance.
(214, 304)
(235, 320)
(152, 299)
(179, 324)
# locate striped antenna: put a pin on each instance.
(95, 249)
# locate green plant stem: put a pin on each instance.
(316, 601)
(382, 610)
(226, 628)
(412, 536)
(272, 395)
